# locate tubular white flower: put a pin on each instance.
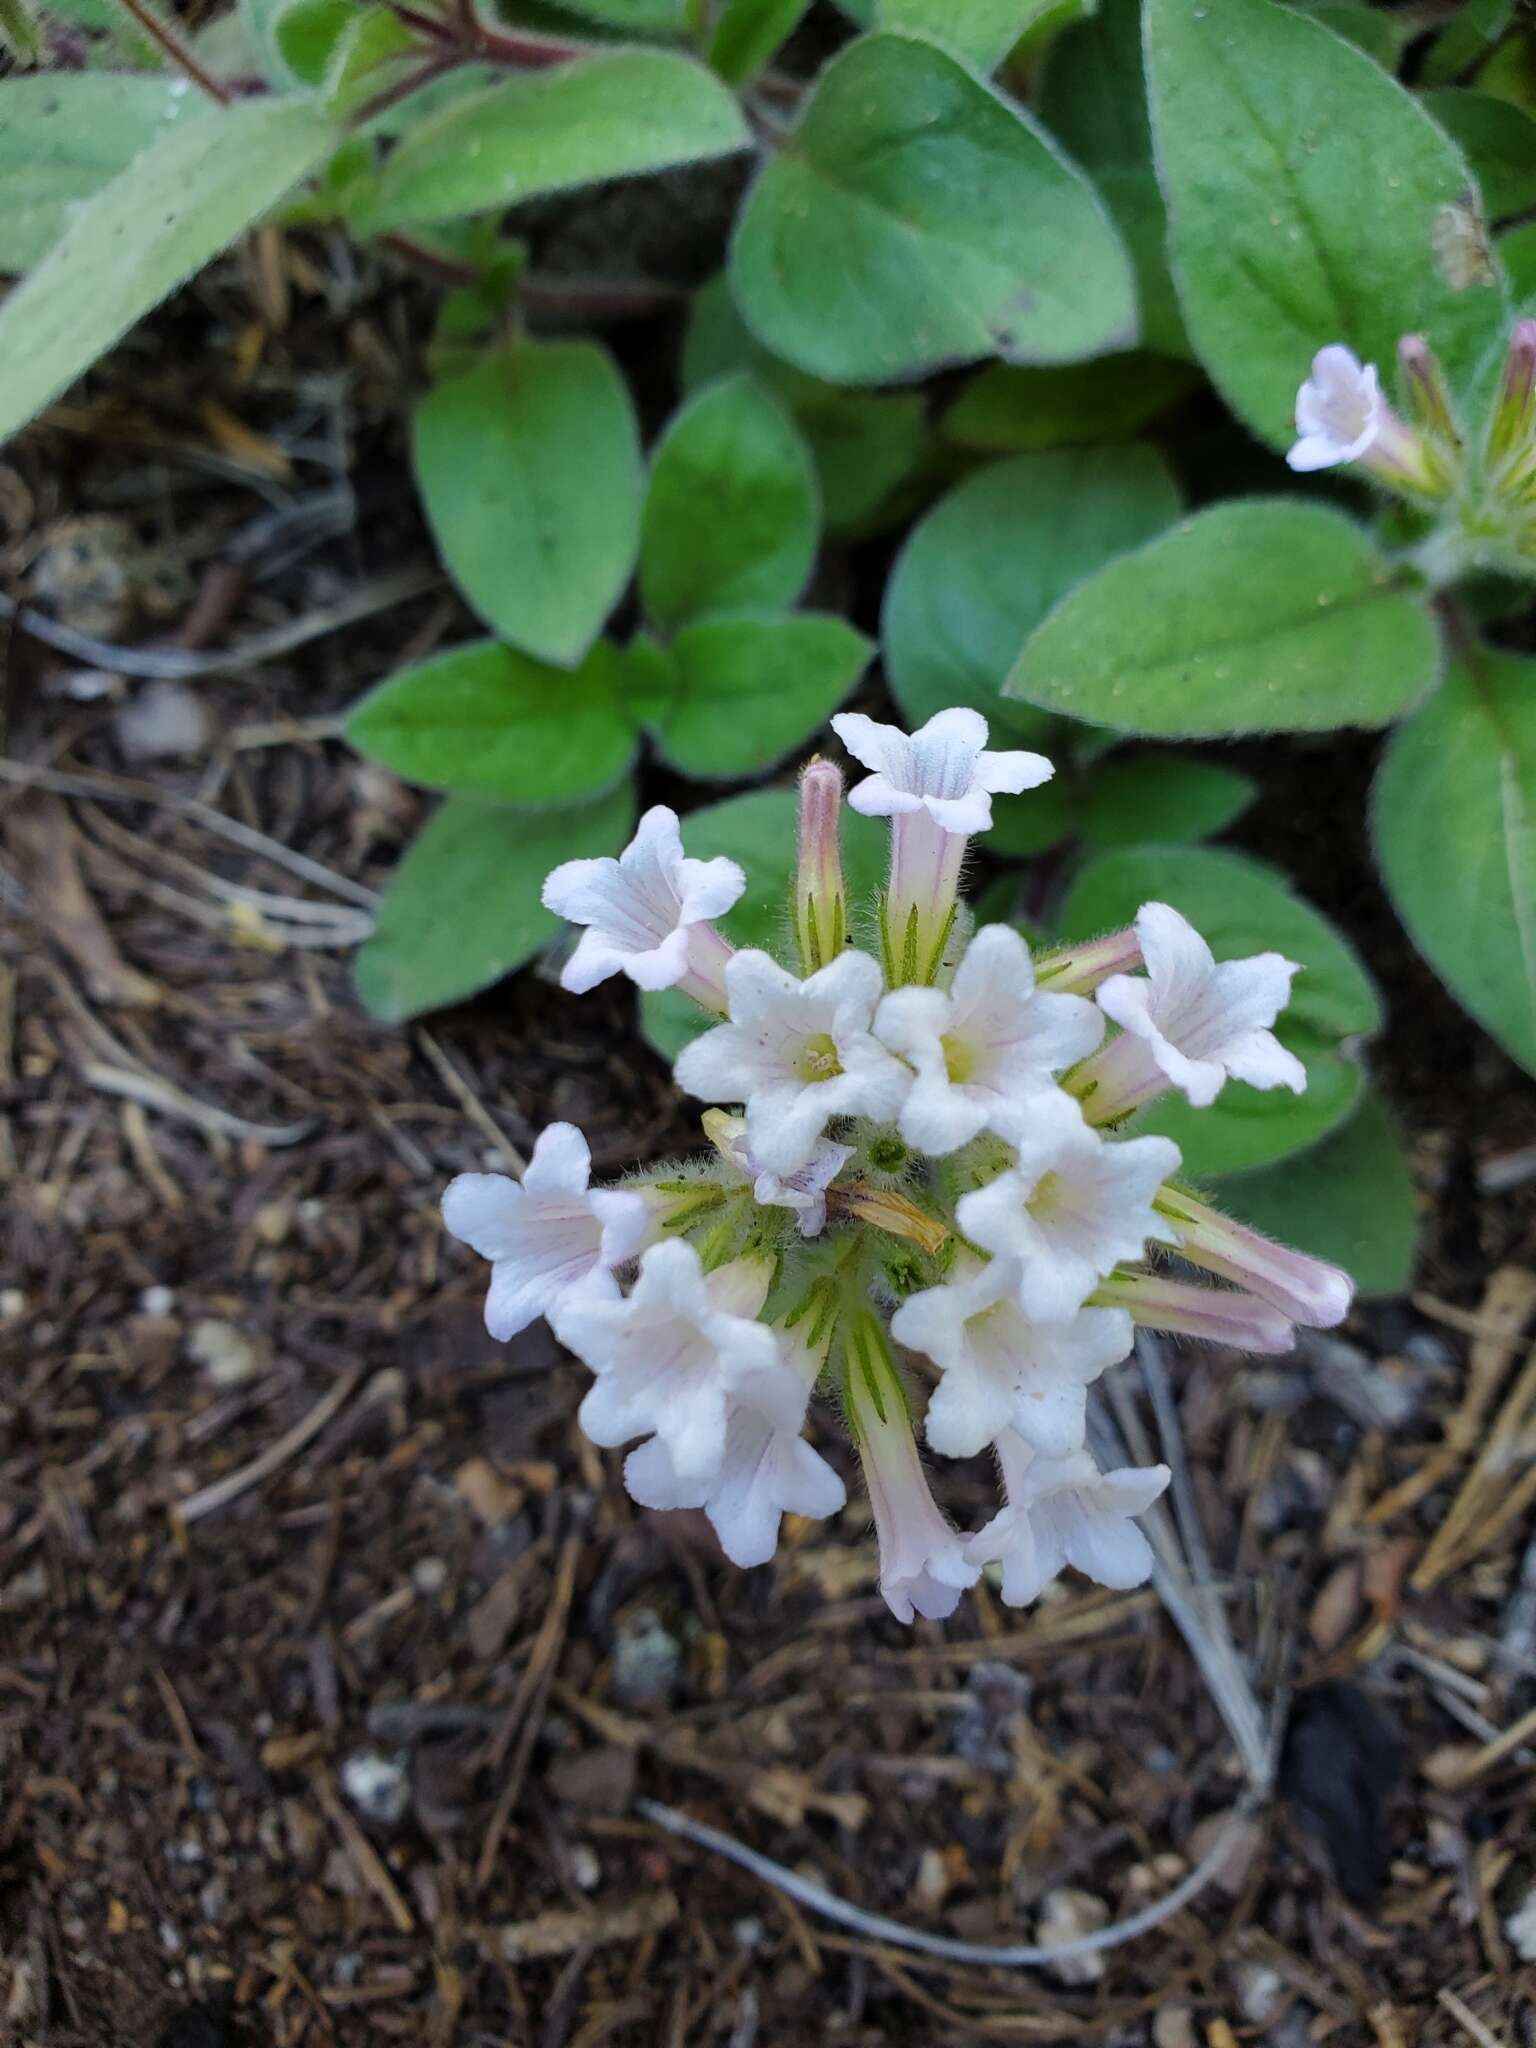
(992, 1038)
(936, 787)
(768, 1470)
(800, 1052)
(943, 768)
(1189, 1022)
(647, 913)
(549, 1236)
(1340, 410)
(674, 1355)
(1070, 1209)
(1065, 1511)
(1343, 416)
(1001, 1370)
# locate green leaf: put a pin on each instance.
(1254, 616)
(751, 688)
(865, 445)
(1517, 252)
(65, 134)
(747, 34)
(1382, 36)
(1095, 99)
(1303, 187)
(1011, 411)
(306, 32)
(484, 719)
(731, 514)
(462, 909)
(1241, 907)
(758, 831)
(635, 17)
(181, 201)
(1026, 825)
(1349, 1200)
(985, 565)
(1454, 813)
(1467, 39)
(530, 472)
(914, 218)
(979, 32)
(609, 115)
(1499, 142)
(1134, 798)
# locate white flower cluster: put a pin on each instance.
(927, 1157)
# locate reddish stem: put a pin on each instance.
(177, 51)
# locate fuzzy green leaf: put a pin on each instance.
(749, 689)
(731, 514)
(1455, 826)
(1254, 616)
(530, 471)
(914, 218)
(610, 115)
(483, 718)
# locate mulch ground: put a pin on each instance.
(333, 1660)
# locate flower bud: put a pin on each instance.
(1307, 1290)
(1215, 1315)
(1429, 398)
(1512, 436)
(821, 911)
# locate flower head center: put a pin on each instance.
(959, 1058)
(818, 1060)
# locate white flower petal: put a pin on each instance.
(639, 908)
(943, 767)
(1064, 1511)
(561, 1162)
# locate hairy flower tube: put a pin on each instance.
(924, 1197)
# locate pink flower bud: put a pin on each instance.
(1078, 970)
(1305, 1289)
(1215, 1315)
(821, 910)
(1511, 454)
(1429, 398)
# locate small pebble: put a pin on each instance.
(1259, 1990)
(646, 1659)
(1066, 1915)
(1173, 2026)
(377, 1785)
(586, 1869)
(429, 1575)
(165, 721)
(157, 1301)
(749, 1933)
(1521, 1927)
(13, 1305)
(225, 1354)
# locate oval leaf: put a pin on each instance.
(529, 466)
(750, 689)
(181, 201)
(1256, 616)
(1455, 826)
(483, 718)
(733, 456)
(1164, 797)
(462, 909)
(1241, 907)
(758, 831)
(1303, 186)
(610, 115)
(985, 565)
(1500, 144)
(915, 218)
